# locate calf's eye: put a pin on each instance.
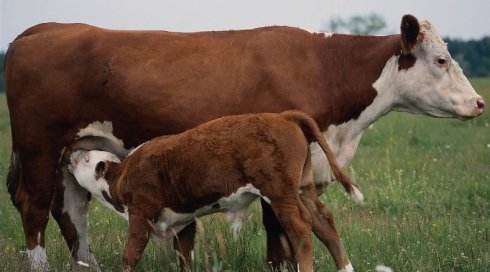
(441, 61)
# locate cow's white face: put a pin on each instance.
(435, 85)
(86, 168)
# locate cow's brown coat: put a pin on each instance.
(150, 83)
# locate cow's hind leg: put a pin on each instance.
(32, 197)
(279, 252)
(70, 209)
(184, 244)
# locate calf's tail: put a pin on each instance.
(312, 132)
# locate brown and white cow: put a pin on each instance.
(62, 77)
(220, 166)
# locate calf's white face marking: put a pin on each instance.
(83, 165)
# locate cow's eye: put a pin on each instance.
(441, 61)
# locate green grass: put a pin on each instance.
(427, 184)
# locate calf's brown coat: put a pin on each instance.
(196, 168)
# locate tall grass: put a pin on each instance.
(427, 184)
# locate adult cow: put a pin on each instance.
(61, 77)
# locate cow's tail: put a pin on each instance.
(13, 176)
(312, 132)
(15, 169)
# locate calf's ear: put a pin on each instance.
(410, 29)
(101, 169)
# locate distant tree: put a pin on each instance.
(369, 24)
(472, 55)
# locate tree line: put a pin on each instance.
(472, 55)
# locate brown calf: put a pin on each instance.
(220, 166)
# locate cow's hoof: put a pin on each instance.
(38, 260)
(88, 265)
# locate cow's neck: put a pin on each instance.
(367, 89)
(351, 65)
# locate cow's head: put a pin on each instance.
(429, 80)
(89, 169)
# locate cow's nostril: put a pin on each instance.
(480, 103)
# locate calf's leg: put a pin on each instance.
(324, 229)
(323, 223)
(279, 249)
(296, 221)
(184, 244)
(138, 236)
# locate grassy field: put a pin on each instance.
(427, 184)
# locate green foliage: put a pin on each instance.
(427, 189)
(358, 25)
(472, 55)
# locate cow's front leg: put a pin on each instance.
(70, 209)
(138, 236)
(184, 244)
(279, 253)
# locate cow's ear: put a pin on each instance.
(409, 32)
(101, 169)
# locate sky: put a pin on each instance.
(454, 18)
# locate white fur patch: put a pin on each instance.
(344, 138)
(429, 88)
(38, 259)
(325, 34)
(383, 268)
(101, 129)
(347, 268)
(416, 90)
(83, 264)
(82, 166)
(75, 205)
(357, 195)
(169, 223)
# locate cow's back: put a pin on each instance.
(154, 82)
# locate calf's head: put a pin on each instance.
(89, 169)
(429, 80)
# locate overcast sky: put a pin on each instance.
(454, 18)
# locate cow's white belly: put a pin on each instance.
(343, 140)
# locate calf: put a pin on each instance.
(220, 166)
